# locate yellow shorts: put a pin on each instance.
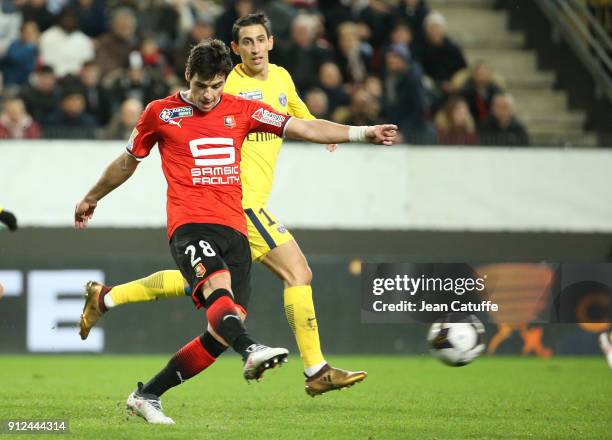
(265, 232)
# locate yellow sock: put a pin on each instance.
(163, 284)
(301, 316)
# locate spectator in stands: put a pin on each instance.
(159, 20)
(404, 95)
(502, 127)
(317, 103)
(71, 120)
(56, 6)
(37, 11)
(114, 48)
(41, 97)
(352, 56)
(377, 16)
(364, 110)
(122, 124)
(330, 81)
(374, 86)
(15, 123)
(20, 59)
(92, 17)
(174, 85)
(479, 90)
(98, 101)
(201, 30)
(302, 56)
(204, 10)
(441, 57)
(413, 13)
(225, 21)
(305, 4)
(334, 13)
(455, 125)
(64, 47)
(139, 83)
(401, 35)
(10, 21)
(281, 14)
(152, 56)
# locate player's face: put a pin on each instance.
(253, 47)
(205, 93)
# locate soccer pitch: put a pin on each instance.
(403, 398)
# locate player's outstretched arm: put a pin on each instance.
(117, 172)
(326, 132)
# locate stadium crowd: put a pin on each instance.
(86, 68)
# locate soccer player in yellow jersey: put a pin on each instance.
(271, 243)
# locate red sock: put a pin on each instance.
(193, 358)
(103, 292)
(190, 360)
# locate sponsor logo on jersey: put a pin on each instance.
(168, 114)
(267, 117)
(200, 270)
(261, 137)
(229, 121)
(215, 162)
(281, 229)
(282, 98)
(256, 95)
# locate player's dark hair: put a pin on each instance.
(208, 59)
(251, 20)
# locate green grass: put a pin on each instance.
(403, 398)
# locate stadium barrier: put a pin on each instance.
(43, 301)
(415, 204)
(398, 188)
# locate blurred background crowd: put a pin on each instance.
(86, 68)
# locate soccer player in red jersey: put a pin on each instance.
(199, 134)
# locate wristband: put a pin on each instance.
(357, 133)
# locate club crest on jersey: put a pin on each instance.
(200, 270)
(281, 229)
(168, 114)
(267, 117)
(229, 121)
(282, 99)
(256, 95)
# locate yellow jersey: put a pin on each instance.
(260, 150)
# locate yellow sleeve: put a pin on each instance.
(297, 107)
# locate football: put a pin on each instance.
(456, 341)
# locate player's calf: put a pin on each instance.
(197, 355)
(224, 318)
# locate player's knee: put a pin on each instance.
(300, 275)
(218, 295)
(224, 316)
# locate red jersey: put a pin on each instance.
(200, 155)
